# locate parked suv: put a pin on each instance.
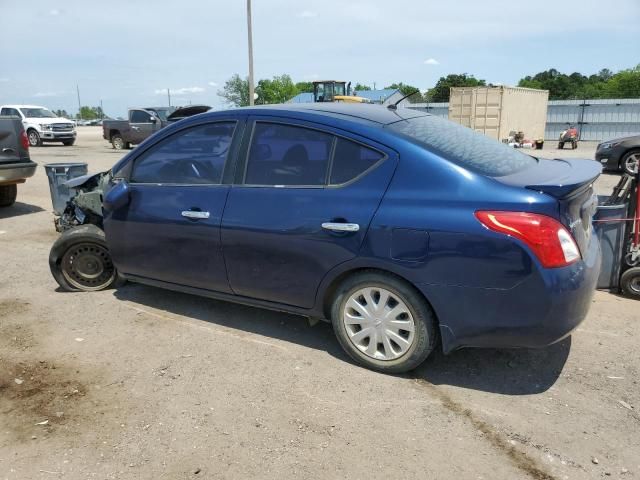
(42, 125)
(15, 164)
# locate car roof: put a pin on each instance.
(374, 114)
(22, 106)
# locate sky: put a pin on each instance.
(127, 53)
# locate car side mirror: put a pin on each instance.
(117, 197)
(153, 119)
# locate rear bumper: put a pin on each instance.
(15, 172)
(543, 309)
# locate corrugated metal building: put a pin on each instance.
(596, 120)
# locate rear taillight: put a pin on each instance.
(24, 140)
(546, 237)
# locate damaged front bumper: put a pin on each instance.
(85, 206)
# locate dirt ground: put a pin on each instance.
(141, 383)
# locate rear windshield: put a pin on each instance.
(464, 146)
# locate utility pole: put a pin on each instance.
(79, 104)
(169, 96)
(101, 111)
(251, 89)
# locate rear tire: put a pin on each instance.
(560, 145)
(80, 261)
(118, 142)
(403, 340)
(630, 283)
(574, 145)
(8, 194)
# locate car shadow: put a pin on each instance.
(505, 371)
(521, 371)
(18, 209)
(279, 325)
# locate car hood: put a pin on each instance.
(623, 139)
(47, 120)
(188, 111)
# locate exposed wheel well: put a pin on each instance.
(112, 133)
(333, 287)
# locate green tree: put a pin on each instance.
(440, 92)
(279, 89)
(62, 113)
(236, 91)
(414, 92)
(359, 87)
(624, 84)
(304, 87)
(90, 113)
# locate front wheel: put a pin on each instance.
(560, 145)
(630, 283)
(34, 138)
(630, 162)
(68, 143)
(574, 145)
(80, 261)
(383, 323)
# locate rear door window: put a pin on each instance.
(287, 155)
(194, 156)
(350, 160)
(464, 146)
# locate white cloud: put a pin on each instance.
(3, 80)
(45, 94)
(213, 84)
(54, 12)
(179, 91)
(431, 61)
(307, 14)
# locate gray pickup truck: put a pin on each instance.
(15, 164)
(143, 122)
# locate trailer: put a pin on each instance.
(500, 112)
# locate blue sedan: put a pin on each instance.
(404, 230)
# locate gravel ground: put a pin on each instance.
(141, 383)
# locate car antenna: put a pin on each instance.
(394, 106)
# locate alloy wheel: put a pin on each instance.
(379, 323)
(34, 138)
(631, 163)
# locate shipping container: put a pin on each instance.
(498, 111)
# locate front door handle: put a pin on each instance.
(135, 128)
(195, 214)
(341, 227)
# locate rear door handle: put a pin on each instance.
(341, 227)
(195, 214)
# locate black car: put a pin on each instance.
(15, 164)
(620, 154)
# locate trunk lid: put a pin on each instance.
(11, 148)
(570, 182)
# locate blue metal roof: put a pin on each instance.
(376, 95)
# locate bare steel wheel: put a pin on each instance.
(378, 323)
(88, 266)
(383, 322)
(80, 261)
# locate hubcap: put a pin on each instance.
(635, 284)
(33, 138)
(88, 266)
(118, 143)
(631, 163)
(378, 323)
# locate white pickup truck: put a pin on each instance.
(42, 125)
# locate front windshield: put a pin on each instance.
(37, 113)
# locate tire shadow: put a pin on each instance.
(18, 209)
